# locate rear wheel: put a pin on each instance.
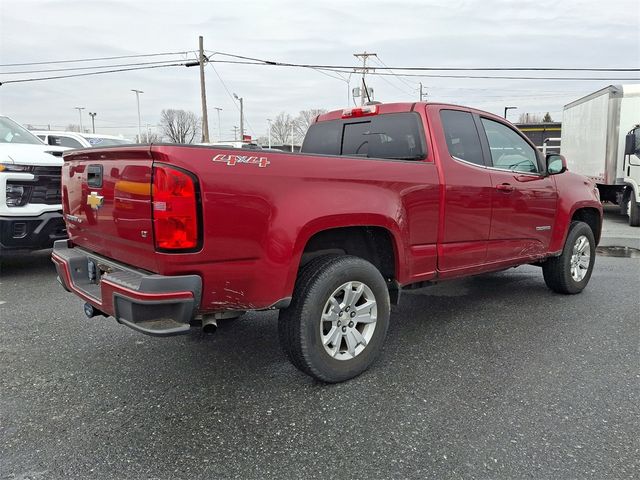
(338, 318)
(633, 210)
(570, 272)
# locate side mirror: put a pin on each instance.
(556, 164)
(630, 144)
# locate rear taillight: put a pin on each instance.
(175, 209)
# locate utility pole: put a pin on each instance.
(269, 122)
(219, 127)
(203, 93)
(240, 99)
(292, 136)
(93, 121)
(80, 112)
(138, 92)
(364, 56)
(422, 95)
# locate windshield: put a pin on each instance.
(106, 142)
(11, 132)
(394, 136)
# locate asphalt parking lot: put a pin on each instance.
(490, 377)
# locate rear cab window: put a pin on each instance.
(392, 136)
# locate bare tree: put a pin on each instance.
(72, 128)
(151, 137)
(529, 118)
(304, 120)
(179, 126)
(281, 129)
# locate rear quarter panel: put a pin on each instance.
(257, 220)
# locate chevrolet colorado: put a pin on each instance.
(382, 198)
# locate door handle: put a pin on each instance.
(505, 187)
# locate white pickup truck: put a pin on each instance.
(30, 196)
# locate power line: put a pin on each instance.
(402, 90)
(51, 62)
(344, 69)
(231, 97)
(93, 67)
(429, 75)
(23, 80)
(412, 87)
(350, 67)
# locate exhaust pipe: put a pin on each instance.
(209, 324)
(90, 311)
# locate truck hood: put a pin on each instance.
(30, 154)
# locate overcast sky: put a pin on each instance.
(454, 33)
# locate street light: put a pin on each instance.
(80, 112)
(508, 108)
(93, 121)
(269, 121)
(241, 117)
(219, 127)
(138, 92)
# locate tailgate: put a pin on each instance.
(106, 195)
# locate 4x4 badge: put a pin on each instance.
(94, 200)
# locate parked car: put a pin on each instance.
(79, 140)
(30, 205)
(383, 198)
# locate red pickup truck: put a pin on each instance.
(382, 198)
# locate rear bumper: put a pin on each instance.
(31, 232)
(149, 303)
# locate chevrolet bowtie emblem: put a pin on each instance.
(94, 200)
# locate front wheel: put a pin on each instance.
(633, 210)
(338, 318)
(570, 272)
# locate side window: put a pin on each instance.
(509, 151)
(323, 138)
(64, 141)
(462, 136)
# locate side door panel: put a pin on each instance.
(523, 197)
(467, 193)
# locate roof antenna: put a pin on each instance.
(366, 90)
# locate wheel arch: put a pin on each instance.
(375, 239)
(590, 216)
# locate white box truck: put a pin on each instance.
(601, 140)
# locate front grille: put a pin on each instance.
(47, 171)
(44, 188)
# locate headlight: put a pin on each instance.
(16, 195)
(10, 167)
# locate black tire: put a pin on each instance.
(624, 202)
(299, 325)
(634, 211)
(557, 270)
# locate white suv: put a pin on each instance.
(30, 196)
(78, 140)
